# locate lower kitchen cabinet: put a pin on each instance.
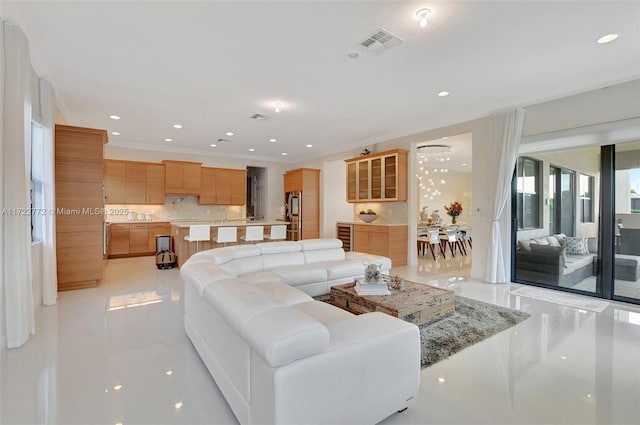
(389, 241)
(134, 239)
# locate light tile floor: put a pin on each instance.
(118, 354)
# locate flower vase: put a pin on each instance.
(454, 220)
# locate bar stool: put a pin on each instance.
(197, 233)
(253, 234)
(226, 234)
(278, 232)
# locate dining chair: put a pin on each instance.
(253, 234)
(451, 240)
(198, 233)
(278, 232)
(465, 238)
(226, 235)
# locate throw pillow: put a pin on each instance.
(553, 241)
(577, 246)
(541, 241)
(561, 237)
(554, 250)
(524, 245)
(592, 244)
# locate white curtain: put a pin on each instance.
(49, 268)
(506, 131)
(16, 238)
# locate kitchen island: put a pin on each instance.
(184, 249)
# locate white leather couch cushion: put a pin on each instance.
(330, 254)
(241, 266)
(301, 274)
(218, 255)
(261, 277)
(313, 244)
(283, 335)
(361, 256)
(323, 312)
(279, 247)
(285, 293)
(237, 301)
(243, 251)
(202, 273)
(271, 261)
(341, 269)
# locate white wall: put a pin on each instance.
(333, 197)
(274, 171)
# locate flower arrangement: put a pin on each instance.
(454, 210)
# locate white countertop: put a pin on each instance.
(125, 221)
(375, 223)
(241, 223)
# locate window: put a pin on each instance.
(37, 200)
(586, 198)
(528, 193)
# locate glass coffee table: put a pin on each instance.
(417, 303)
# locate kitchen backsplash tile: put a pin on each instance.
(389, 212)
(178, 208)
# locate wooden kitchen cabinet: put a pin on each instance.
(389, 241)
(307, 182)
(129, 182)
(380, 177)
(182, 178)
(79, 191)
(223, 186)
(118, 239)
(135, 239)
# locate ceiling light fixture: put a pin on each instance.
(114, 117)
(428, 174)
(213, 145)
(177, 126)
(607, 38)
(353, 55)
(272, 140)
(309, 146)
(252, 150)
(423, 14)
(443, 93)
(115, 133)
(229, 133)
(168, 140)
(284, 154)
(277, 106)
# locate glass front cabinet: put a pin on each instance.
(377, 177)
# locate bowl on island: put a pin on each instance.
(368, 218)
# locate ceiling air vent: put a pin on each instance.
(257, 116)
(381, 40)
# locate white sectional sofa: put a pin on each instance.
(279, 356)
(311, 265)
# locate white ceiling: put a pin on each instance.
(209, 65)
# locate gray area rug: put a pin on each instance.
(470, 323)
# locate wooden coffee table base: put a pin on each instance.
(417, 304)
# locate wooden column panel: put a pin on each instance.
(135, 183)
(155, 184)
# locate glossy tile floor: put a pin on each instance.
(118, 354)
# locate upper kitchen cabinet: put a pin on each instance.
(182, 178)
(379, 177)
(128, 182)
(223, 186)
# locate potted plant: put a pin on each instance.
(368, 216)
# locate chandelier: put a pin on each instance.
(432, 168)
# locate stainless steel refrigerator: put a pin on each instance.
(293, 214)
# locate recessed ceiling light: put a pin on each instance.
(423, 14)
(177, 126)
(169, 372)
(114, 117)
(464, 164)
(277, 106)
(443, 93)
(607, 38)
(168, 140)
(309, 146)
(213, 145)
(441, 380)
(353, 55)
(445, 138)
(272, 140)
(284, 154)
(252, 150)
(229, 133)
(115, 133)
(117, 387)
(178, 405)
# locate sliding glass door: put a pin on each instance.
(588, 240)
(626, 268)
